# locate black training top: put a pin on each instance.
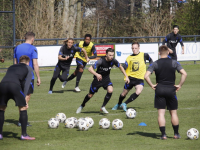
(103, 67)
(165, 69)
(64, 51)
(19, 73)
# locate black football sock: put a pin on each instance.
(106, 99)
(175, 129)
(53, 80)
(87, 98)
(131, 98)
(78, 78)
(23, 120)
(121, 98)
(1, 121)
(162, 130)
(71, 77)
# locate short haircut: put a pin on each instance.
(110, 50)
(65, 41)
(163, 49)
(88, 35)
(136, 43)
(175, 26)
(24, 58)
(29, 35)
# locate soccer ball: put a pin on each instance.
(53, 123)
(61, 117)
(104, 123)
(69, 123)
(131, 113)
(193, 133)
(77, 124)
(83, 125)
(75, 121)
(117, 124)
(90, 121)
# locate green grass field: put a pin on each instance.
(43, 106)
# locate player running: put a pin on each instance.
(11, 87)
(172, 40)
(102, 78)
(81, 61)
(65, 56)
(165, 89)
(135, 67)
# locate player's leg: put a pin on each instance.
(2, 111)
(161, 123)
(79, 75)
(175, 123)
(56, 73)
(65, 73)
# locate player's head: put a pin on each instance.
(135, 47)
(163, 50)
(175, 29)
(110, 54)
(30, 37)
(24, 59)
(69, 42)
(87, 38)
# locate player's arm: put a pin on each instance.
(149, 71)
(28, 80)
(61, 56)
(94, 52)
(85, 53)
(181, 42)
(124, 72)
(95, 66)
(36, 69)
(167, 38)
(147, 57)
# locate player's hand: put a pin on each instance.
(67, 57)
(154, 86)
(99, 77)
(127, 80)
(88, 59)
(178, 87)
(38, 82)
(27, 105)
(2, 60)
(182, 52)
(170, 51)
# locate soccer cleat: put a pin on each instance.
(177, 136)
(28, 124)
(163, 137)
(63, 85)
(1, 137)
(103, 109)
(124, 106)
(79, 109)
(116, 107)
(50, 92)
(27, 137)
(77, 89)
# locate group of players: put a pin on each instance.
(18, 82)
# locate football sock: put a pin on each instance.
(87, 98)
(162, 130)
(71, 77)
(23, 121)
(106, 99)
(121, 98)
(131, 98)
(1, 120)
(175, 128)
(78, 78)
(53, 80)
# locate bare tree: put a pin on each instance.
(65, 17)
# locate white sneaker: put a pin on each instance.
(50, 92)
(63, 85)
(103, 109)
(77, 89)
(79, 109)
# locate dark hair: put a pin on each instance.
(136, 43)
(175, 26)
(110, 50)
(65, 41)
(24, 58)
(29, 35)
(163, 49)
(88, 35)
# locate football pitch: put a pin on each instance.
(44, 106)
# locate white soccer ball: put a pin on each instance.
(75, 121)
(77, 124)
(61, 117)
(117, 124)
(131, 113)
(83, 125)
(69, 123)
(90, 121)
(104, 123)
(53, 123)
(193, 133)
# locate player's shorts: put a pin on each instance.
(11, 91)
(80, 62)
(31, 87)
(97, 84)
(165, 95)
(133, 83)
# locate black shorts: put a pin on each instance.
(80, 62)
(97, 84)
(133, 83)
(165, 95)
(11, 91)
(31, 87)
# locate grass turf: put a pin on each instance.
(43, 106)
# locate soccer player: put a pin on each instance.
(172, 40)
(29, 50)
(81, 61)
(135, 66)
(102, 78)
(165, 89)
(65, 56)
(11, 87)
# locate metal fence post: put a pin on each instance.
(14, 40)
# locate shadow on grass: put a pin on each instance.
(10, 135)
(152, 135)
(12, 121)
(61, 91)
(88, 112)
